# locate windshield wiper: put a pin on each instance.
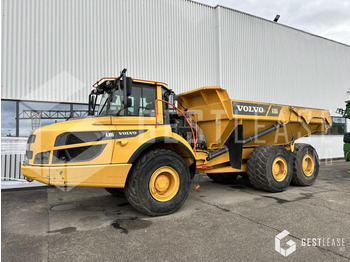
(109, 98)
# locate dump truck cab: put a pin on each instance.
(143, 141)
(124, 124)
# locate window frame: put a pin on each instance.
(331, 130)
(141, 86)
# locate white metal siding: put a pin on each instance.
(265, 61)
(54, 50)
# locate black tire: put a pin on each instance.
(223, 178)
(137, 189)
(299, 176)
(118, 192)
(260, 168)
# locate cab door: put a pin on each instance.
(142, 110)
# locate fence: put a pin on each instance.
(12, 155)
(11, 166)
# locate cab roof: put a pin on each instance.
(152, 82)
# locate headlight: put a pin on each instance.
(31, 140)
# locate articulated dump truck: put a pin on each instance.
(144, 142)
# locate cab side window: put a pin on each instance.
(143, 98)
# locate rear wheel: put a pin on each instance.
(223, 178)
(118, 192)
(270, 168)
(159, 183)
(305, 165)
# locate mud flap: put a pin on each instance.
(235, 145)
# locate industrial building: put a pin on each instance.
(53, 51)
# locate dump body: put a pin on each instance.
(218, 117)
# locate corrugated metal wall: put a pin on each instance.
(265, 61)
(54, 50)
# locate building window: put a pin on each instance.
(338, 126)
(33, 115)
(8, 118)
(80, 110)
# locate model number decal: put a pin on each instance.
(109, 135)
(274, 111)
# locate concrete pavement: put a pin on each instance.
(217, 223)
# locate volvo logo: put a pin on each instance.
(127, 133)
(252, 109)
(242, 108)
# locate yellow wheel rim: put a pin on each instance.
(164, 184)
(279, 169)
(308, 165)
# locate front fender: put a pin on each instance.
(162, 140)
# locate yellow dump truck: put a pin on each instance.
(145, 142)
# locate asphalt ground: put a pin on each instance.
(217, 223)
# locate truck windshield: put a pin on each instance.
(111, 103)
(142, 98)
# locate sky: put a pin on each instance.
(327, 18)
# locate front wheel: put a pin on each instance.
(159, 183)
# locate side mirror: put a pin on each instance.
(91, 109)
(129, 103)
(128, 82)
(128, 86)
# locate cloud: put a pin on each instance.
(327, 18)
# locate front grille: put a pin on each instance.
(77, 154)
(81, 137)
(42, 158)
